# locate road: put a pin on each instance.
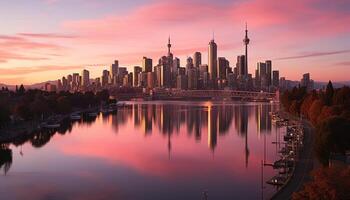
(302, 168)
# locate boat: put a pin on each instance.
(75, 116)
(105, 111)
(50, 125)
(120, 104)
(92, 114)
(277, 180)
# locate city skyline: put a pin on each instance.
(47, 45)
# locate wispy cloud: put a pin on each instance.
(35, 69)
(345, 63)
(314, 54)
(47, 35)
(21, 47)
(5, 56)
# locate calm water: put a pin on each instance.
(148, 150)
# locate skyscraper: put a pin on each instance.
(114, 68)
(189, 64)
(75, 81)
(137, 71)
(212, 60)
(241, 66)
(176, 65)
(275, 78)
(146, 64)
(104, 78)
(262, 75)
(222, 65)
(197, 59)
(268, 71)
(85, 78)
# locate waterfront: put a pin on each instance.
(150, 150)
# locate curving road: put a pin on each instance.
(303, 167)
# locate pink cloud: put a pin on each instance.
(48, 35)
(5, 56)
(191, 24)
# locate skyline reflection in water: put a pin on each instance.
(148, 150)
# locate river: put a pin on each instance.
(148, 150)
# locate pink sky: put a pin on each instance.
(45, 40)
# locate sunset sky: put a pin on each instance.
(46, 39)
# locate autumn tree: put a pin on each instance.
(327, 184)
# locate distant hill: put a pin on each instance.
(320, 85)
(317, 85)
(32, 86)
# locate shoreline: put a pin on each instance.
(303, 166)
(26, 128)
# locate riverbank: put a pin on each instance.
(303, 166)
(26, 128)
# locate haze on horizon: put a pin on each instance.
(46, 39)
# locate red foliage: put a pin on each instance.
(328, 184)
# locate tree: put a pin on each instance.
(63, 105)
(327, 184)
(21, 90)
(315, 111)
(332, 135)
(4, 115)
(329, 93)
(306, 104)
(342, 96)
(23, 111)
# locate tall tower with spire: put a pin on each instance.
(246, 41)
(212, 59)
(169, 46)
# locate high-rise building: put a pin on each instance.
(181, 71)
(122, 71)
(75, 81)
(223, 64)
(212, 60)
(241, 66)
(307, 82)
(269, 72)
(146, 64)
(275, 78)
(137, 71)
(262, 76)
(158, 76)
(150, 79)
(104, 78)
(181, 82)
(98, 82)
(59, 85)
(197, 59)
(114, 68)
(142, 80)
(192, 77)
(176, 65)
(189, 64)
(85, 78)
(64, 84)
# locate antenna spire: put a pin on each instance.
(169, 45)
